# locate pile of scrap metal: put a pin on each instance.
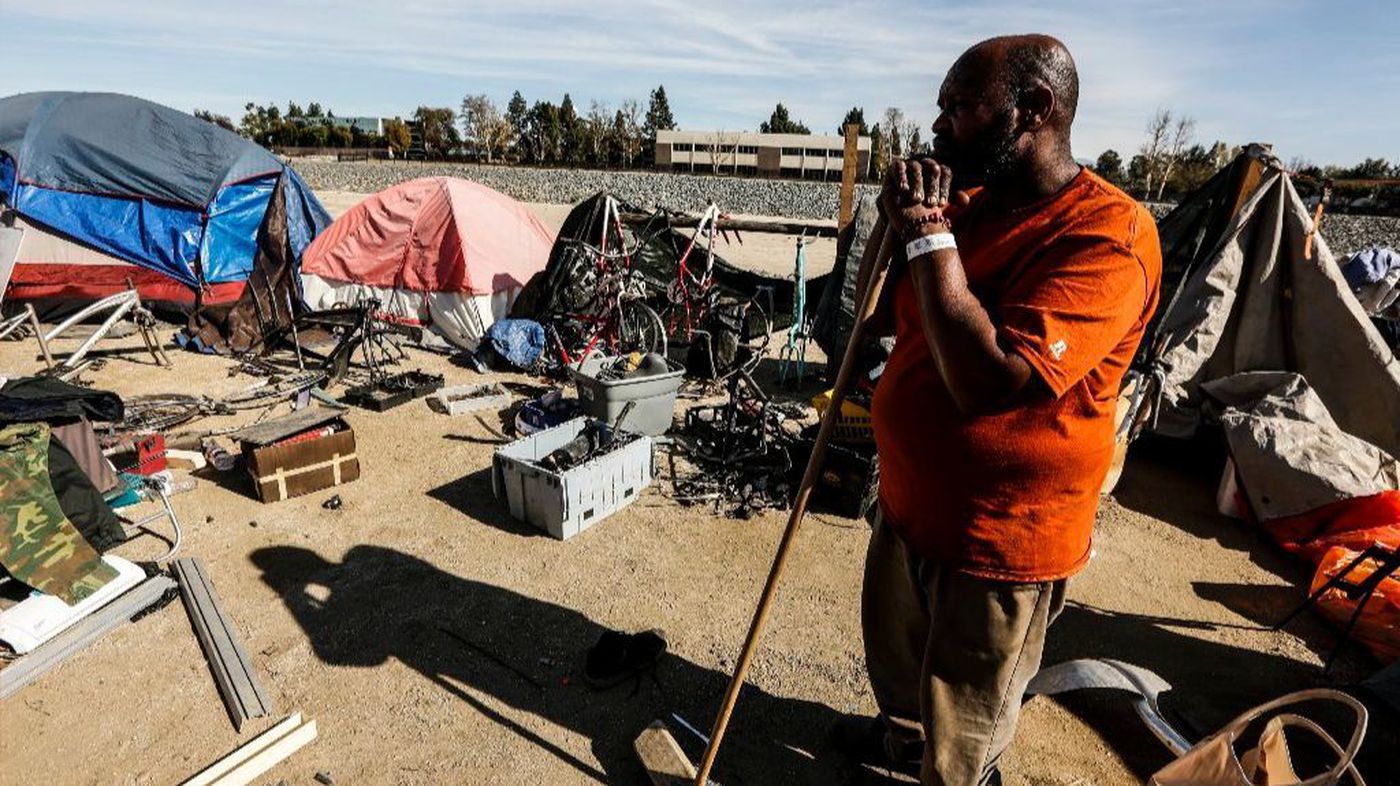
(747, 454)
(739, 452)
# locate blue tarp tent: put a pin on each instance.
(114, 189)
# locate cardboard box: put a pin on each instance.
(280, 471)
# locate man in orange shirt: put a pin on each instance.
(1024, 288)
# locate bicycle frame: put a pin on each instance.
(121, 304)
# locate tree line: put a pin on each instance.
(1169, 163)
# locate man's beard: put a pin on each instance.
(988, 160)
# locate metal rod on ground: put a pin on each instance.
(872, 271)
(296, 339)
(678, 221)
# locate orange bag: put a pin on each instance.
(1378, 627)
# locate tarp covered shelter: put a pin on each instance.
(112, 189)
(438, 251)
(1245, 297)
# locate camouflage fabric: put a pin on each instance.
(38, 544)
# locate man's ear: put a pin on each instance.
(1035, 108)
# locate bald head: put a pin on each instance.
(1011, 68)
(1006, 107)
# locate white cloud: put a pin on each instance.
(725, 63)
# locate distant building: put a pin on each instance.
(809, 156)
(373, 126)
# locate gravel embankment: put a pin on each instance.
(1346, 234)
(753, 196)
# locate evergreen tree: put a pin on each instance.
(781, 123)
(438, 126)
(658, 114)
(222, 121)
(1109, 166)
(857, 116)
(545, 132)
(517, 115)
(916, 144)
(574, 136)
(658, 118)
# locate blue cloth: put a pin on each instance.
(1370, 265)
(519, 341)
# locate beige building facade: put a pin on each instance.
(806, 156)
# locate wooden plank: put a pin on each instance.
(269, 757)
(848, 176)
(279, 428)
(245, 752)
(82, 634)
(243, 695)
(665, 762)
(812, 228)
(1248, 181)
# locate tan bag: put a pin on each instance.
(1212, 762)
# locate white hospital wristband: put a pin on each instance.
(927, 244)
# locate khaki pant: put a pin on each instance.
(949, 656)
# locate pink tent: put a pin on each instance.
(437, 251)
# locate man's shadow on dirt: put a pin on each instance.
(384, 604)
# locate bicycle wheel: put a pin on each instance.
(275, 389)
(640, 329)
(161, 412)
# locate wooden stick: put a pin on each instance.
(848, 176)
(665, 762)
(872, 271)
(253, 747)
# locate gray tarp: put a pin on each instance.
(1259, 305)
(65, 141)
(1289, 453)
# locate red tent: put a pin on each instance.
(437, 251)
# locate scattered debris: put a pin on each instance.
(740, 452)
(258, 755)
(391, 391)
(666, 764)
(83, 633)
(242, 693)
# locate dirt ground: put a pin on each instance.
(357, 617)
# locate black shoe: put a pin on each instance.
(618, 656)
(862, 740)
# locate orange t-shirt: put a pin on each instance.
(1070, 283)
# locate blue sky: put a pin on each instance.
(1321, 80)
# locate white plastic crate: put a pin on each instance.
(461, 399)
(565, 504)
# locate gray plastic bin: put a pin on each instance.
(564, 504)
(655, 396)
